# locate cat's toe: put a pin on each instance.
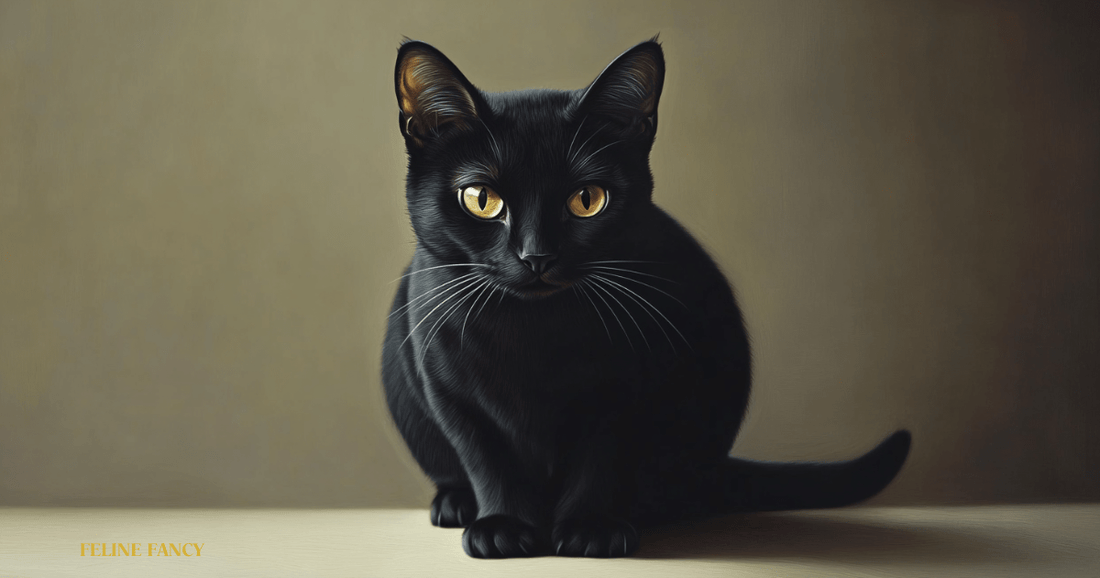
(454, 508)
(500, 536)
(600, 537)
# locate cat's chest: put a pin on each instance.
(536, 378)
(538, 353)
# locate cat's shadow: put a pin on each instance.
(815, 537)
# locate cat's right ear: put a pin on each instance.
(628, 90)
(432, 93)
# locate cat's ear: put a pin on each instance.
(628, 90)
(432, 93)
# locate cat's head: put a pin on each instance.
(531, 185)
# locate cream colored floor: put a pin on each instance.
(1043, 541)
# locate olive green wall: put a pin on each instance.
(201, 213)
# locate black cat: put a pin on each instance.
(563, 360)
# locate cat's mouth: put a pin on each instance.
(539, 287)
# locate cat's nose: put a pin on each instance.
(539, 263)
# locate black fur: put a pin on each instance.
(556, 412)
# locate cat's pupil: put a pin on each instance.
(483, 198)
(586, 198)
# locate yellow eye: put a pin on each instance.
(482, 202)
(588, 201)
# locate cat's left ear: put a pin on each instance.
(433, 94)
(628, 90)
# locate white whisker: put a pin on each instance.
(589, 157)
(569, 152)
(492, 289)
(657, 311)
(580, 285)
(624, 261)
(437, 267)
(462, 336)
(606, 268)
(627, 311)
(496, 146)
(429, 292)
(643, 303)
(454, 293)
(438, 326)
(613, 314)
(581, 148)
(671, 296)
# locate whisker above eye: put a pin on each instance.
(496, 147)
(590, 137)
(569, 152)
(584, 162)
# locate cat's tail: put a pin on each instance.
(739, 485)
(754, 486)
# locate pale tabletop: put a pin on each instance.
(1044, 541)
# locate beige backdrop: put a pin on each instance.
(201, 213)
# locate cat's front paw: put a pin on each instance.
(595, 537)
(453, 507)
(500, 536)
